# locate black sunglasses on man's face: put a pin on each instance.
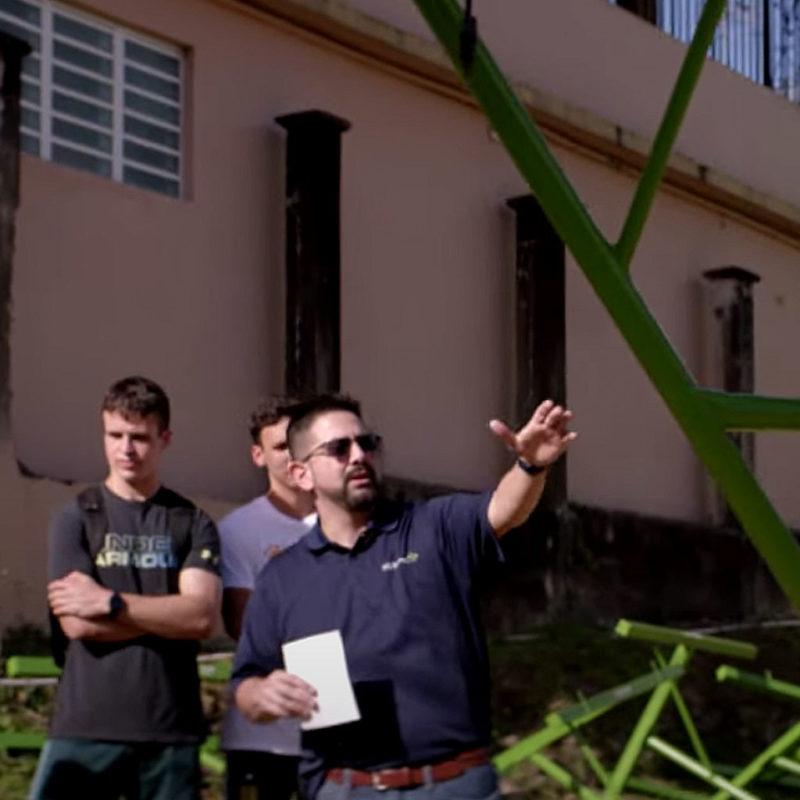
(340, 447)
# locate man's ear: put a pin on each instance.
(166, 437)
(301, 475)
(257, 454)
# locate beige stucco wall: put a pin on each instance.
(111, 280)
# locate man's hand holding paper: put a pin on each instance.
(279, 694)
(320, 660)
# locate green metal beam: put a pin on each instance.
(610, 280)
(670, 125)
(752, 412)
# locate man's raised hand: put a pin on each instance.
(542, 439)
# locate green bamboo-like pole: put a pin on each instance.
(647, 719)
(657, 789)
(562, 776)
(690, 765)
(668, 131)
(687, 719)
(787, 764)
(661, 634)
(762, 760)
(762, 683)
(609, 279)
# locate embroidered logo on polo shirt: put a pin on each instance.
(408, 558)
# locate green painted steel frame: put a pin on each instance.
(703, 416)
(661, 685)
(22, 666)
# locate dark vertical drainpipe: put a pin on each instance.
(13, 51)
(731, 301)
(767, 43)
(646, 9)
(540, 325)
(313, 158)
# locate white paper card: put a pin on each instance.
(320, 661)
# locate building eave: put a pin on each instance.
(337, 25)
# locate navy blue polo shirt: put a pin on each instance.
(404, 599)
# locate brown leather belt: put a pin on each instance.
(405, 777)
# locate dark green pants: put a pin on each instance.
(85, 768)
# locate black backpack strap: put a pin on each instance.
(95, 523)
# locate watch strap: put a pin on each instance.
(528, 468)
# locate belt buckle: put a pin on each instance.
(377, 780)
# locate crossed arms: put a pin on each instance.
(81, 605)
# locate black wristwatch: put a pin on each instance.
(528, 468)
(115, 605)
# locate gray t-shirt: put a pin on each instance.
(250, 535)
(144, 689)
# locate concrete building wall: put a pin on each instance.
(110, 280)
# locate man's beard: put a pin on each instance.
(364, 496)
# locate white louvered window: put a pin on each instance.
(98, 97)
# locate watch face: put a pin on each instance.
(115, 605)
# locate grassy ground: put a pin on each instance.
(534, 675)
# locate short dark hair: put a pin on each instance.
(304, 414)
(271, 410)
(138, 397)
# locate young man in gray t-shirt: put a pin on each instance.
(134, 585)
(261, 757)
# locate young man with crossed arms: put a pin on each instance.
(134, 594)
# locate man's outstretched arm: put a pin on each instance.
(538, 444)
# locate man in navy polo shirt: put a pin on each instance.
(398, 582)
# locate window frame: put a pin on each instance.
(124, 155)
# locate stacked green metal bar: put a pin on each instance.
(763, 683)
(696, 768)
(604, 701)
(560, 724)
(697, 641)
(44, 667)
(217, 671)
(647, 720)
(31, 667)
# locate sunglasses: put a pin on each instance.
(340, 448)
